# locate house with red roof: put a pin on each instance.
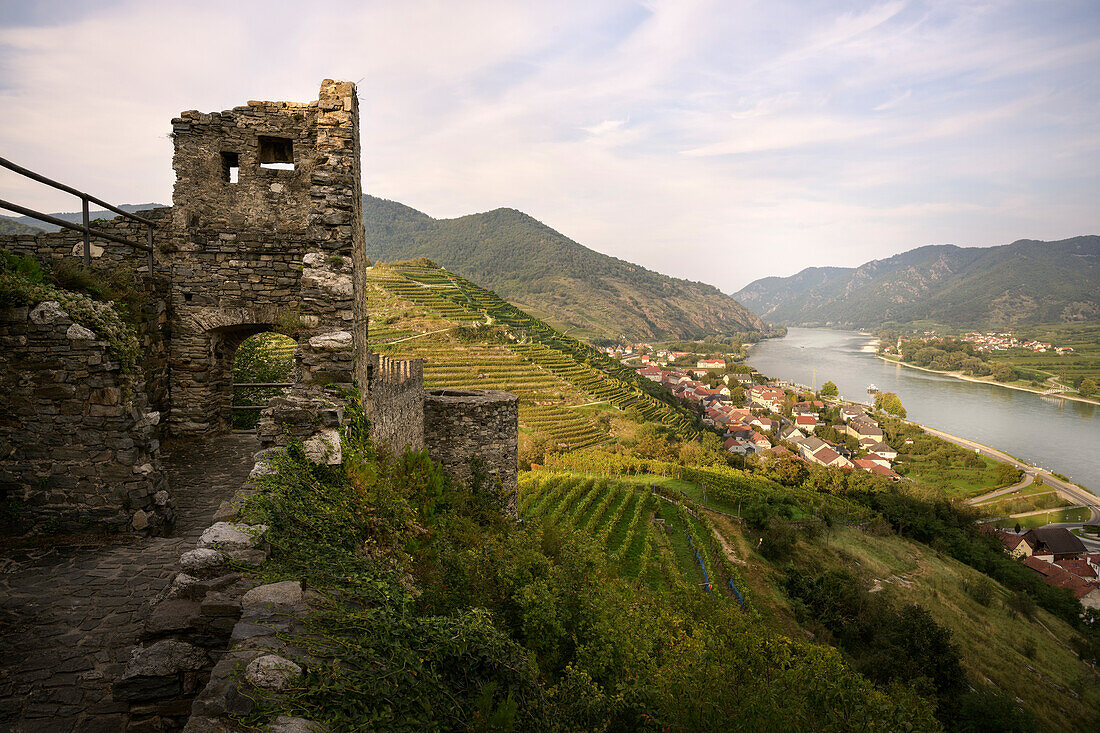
(778, 452)
(759, 442)
(739, 446)
(1015, 544)
(1087, 592)
(886, 472)
(765, 423)
(828, 457)
(806, 423)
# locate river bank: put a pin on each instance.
(963, 377)
(1057, 434)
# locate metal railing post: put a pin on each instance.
(87, 235)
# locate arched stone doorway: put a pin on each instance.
(204, 347)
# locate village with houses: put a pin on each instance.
(994, 341)
(758, 419)
(1060, 557)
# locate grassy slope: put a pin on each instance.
(576, 289)
(993, 640)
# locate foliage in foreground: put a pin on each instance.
(80, 293)
(444, 616)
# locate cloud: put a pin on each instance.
(719, 141)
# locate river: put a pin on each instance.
(1062, 436)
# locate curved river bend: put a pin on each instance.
(1060, 435)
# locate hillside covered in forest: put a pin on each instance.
(1024, 282)
(567, 284)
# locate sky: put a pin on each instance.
(720, 141)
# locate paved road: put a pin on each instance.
(1072, 492)
(1026, 481)
(69, 615)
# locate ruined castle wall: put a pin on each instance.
(397, 392)
(77, 438)
(58, 249)
(462, 426)
(68, 246)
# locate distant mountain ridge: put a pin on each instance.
(1028, 281)
(11, 226)
(32, 225)
(543, 271)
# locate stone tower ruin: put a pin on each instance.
(265, 233)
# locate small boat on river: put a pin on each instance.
(871, 389)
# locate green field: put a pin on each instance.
(1051, 517)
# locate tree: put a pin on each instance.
(1087, 388)
(829, 390)
(1004, 373)
(890, 403)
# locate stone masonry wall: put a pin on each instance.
(463, 425)
(396, 409)
(67, 247)
(273, 248)
(77, 439)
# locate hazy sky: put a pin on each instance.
(719, 141)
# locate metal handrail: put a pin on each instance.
(257, 384)
(86, 230)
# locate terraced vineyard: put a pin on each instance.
(623, 520)
(461, 302)
(565, 426)
(727, 489)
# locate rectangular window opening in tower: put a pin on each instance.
(231, 166)
(276, 153)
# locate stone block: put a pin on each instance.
(282, 595)
(232, 536)
(272, 672)
(172, 617)
(203, 562)
(154, 671)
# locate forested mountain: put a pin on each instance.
(73, 216)
(550, 275)
(12, 226)
(1027, 281)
